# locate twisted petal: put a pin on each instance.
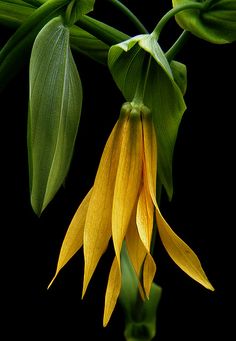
(144, 218)
(181, 253)
(97, 231)
(113, 291)
(178, 250)
(74, 236)
(136, 249)
(127, 181)
(149, 270)
(145, 211)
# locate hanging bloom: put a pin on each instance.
(121, 206)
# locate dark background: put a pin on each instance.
(201, 212)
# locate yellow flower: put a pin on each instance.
(122, 205)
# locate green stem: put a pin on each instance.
(130, 15)
(141, 84)
(177, 46)
(163, 21)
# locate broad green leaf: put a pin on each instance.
(216, 23)
(15, 52)
(55, 101)
(140, 62)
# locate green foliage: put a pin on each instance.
(76, 9)
(55, 101)
(179, 72)
(14, 9)
(216, 23)
(16, 51)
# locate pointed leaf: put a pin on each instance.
(55, 101)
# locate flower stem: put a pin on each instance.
(177, 46)
(130, 15)
(163, 21)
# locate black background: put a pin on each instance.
(201, 212)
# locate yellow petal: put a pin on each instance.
(150, 155)
(112, 292)
(149, 271)
(144, 218)
(74, 236)
(178, 250)
(97, 231)
(181, 253)
(127, 181)
(136, 249)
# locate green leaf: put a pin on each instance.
(15, 52)
(12, 14)
(55, 101)
(179, 72)
(76, 9)
(216, 23)
(140, 61)
(83, 7)
(85, 43)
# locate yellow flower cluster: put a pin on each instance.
(122, 205)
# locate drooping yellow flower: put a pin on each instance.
(122, 205)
